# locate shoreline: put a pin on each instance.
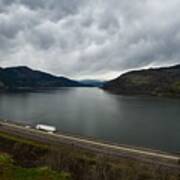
(89, 138)
(96, 146)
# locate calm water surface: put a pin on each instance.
(141, 121)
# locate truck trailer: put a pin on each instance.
(47, 128)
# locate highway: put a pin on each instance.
(150, 156)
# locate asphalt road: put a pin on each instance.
(144, 155)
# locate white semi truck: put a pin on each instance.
(47, 128)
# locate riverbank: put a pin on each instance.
(84, 158)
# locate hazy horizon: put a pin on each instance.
(91, 77)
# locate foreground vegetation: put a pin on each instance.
(10, 171)
(34, 160)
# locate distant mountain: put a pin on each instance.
(158, 82)
(24, 78)
(92, 83)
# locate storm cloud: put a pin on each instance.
(89, 39)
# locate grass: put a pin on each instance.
(23, 141)
(9, 171)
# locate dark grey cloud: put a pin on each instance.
(83, 39)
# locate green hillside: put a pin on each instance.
(156, 82)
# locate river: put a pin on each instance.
(150, 122)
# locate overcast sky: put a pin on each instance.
(89, 38)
